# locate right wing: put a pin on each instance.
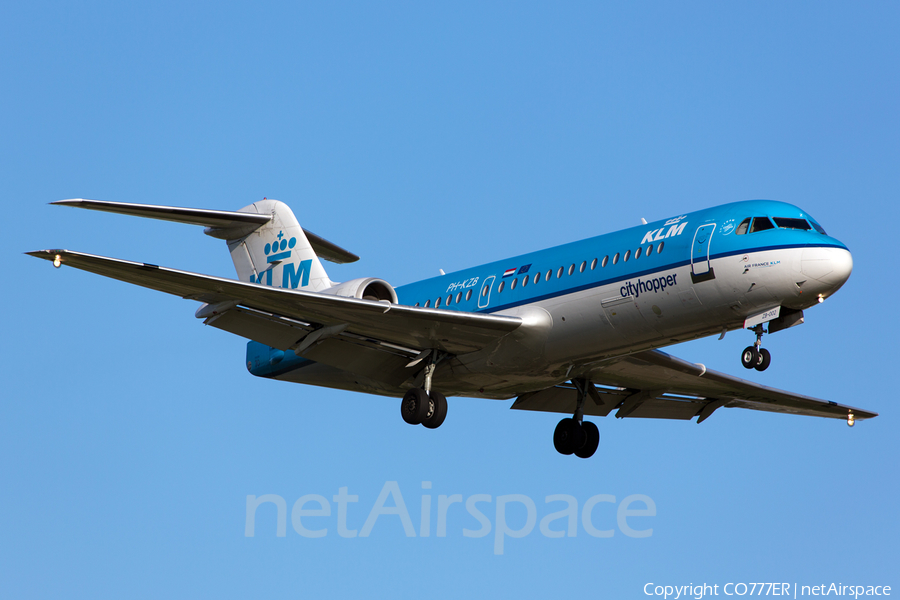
(656, 385)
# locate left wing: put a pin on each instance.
(653, 384)
(302, 314)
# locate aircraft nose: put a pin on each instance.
(829, 266)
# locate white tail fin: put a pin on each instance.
(278, 253)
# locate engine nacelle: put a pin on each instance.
(365, 288)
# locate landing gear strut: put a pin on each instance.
(754, 357)
(425, 406)
(575, 435)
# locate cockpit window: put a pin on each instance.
(742, 228)
(761, 224)
(818, 228)
(786, 223)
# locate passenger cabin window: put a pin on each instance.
(427, 303)
(469, 295)
(549, 275)
(525, 280)
(593, 264)
(513, 283)
(571, 269)
(761, 224)
(537, 277)
(637, 253)
(649, 250)
(616, 258)
(627, 255)
(605, 261)
(660, 247)
(437, 303)
(459, 296)
(742, 228)
(785, 223)
(502, 285)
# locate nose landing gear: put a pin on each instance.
(754, 357)
(575, 435)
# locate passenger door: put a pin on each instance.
(701, 270)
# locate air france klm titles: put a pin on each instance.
(657, 234)
(292, 276)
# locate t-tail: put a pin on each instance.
(267, 244)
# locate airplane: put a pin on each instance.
(574, 329)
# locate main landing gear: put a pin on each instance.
(418, 406)
(575, 435)
(754, 357)
(424, 406)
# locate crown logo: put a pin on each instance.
(279, 249)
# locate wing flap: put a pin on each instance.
(271, 330)
(370, 358)
(455, 332)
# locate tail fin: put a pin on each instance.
(278, 253)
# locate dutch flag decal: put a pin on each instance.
(510, 272)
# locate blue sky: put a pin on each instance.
(426, 136)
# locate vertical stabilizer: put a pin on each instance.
(278, 253)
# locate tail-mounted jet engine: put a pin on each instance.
(364, 288)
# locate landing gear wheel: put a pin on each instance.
(592, 435)
(750, 357)
(568, 436)
(439, 412)
(414, 406)
(765, 359)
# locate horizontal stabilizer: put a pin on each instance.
(222, 224)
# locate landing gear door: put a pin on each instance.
(484, 297)
(700, 267)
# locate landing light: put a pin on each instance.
(821, 298)
(57, 261)
(850, 420)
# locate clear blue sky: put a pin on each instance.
(426, 136)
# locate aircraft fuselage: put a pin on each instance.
(582, 303)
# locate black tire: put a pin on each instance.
(568, 436)
(414, 406)
(440, 411)
(765, 359)
(750, 357)
(592, 435)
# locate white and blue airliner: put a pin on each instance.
(574, 329)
